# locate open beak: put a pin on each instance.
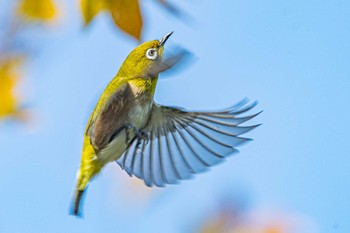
(164, 39)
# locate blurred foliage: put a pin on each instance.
(24, 16)
(43, 10)
(9, 77)
(17, 19)
(236, 214)
(90, 8)
(226, 223)
(126, 14)
(232, 217)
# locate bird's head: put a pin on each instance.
(144, 59)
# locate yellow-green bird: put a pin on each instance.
(158, 144)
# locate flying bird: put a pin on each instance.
(158, 144)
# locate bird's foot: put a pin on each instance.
(130, 127)
(142, 136)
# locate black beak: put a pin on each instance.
(164, 39)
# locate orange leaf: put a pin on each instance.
(127, 16)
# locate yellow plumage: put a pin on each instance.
(134, 74)
(90, 164)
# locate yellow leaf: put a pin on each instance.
(127, 16)
(90, 8)
(8, 80)
(37, 9)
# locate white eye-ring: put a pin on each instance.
(151, 54)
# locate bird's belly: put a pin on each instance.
(137, 117)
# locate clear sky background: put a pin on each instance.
(291, 56)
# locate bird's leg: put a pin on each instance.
(127, 127)
(142, 136)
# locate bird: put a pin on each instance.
(159, 144)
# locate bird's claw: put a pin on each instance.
(127, 128)
(144, 135)
(141, 135)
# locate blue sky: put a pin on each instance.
(291, 56)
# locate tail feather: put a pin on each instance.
(77, 203)
(89, 167)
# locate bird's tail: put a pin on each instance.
(77, 201)
(88, 169)
(76, 205)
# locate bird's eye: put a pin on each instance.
(151, 54)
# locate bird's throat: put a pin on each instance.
(141, 86)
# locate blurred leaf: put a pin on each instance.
(127, 16)
(44, 10)
(8, 80)
(231, 218)
(214, 226)
(90, 8)
(273, 229)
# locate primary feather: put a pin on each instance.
(183, 143)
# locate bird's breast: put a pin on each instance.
(137, 116)
(142, 104)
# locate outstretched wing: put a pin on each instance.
(182, 143)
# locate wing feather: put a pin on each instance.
(183, 143)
